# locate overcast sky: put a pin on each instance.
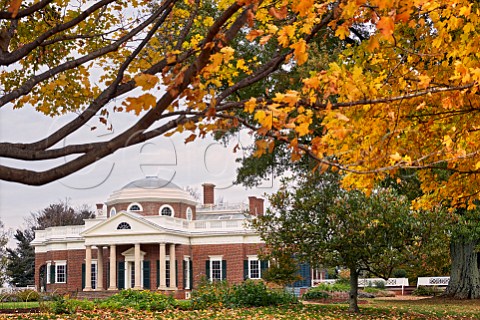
(169, 158)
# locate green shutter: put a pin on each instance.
(263, 266)
(146, 274)
(245, 269)
(83, 275)
(66, 274)
(158, 273)
(207, 269)
(184, 264)
(191, 273)
(52, 273)
(176, 273)
(224, 269)
(121, 275)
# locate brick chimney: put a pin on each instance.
(208, 193)
(255, 206)
(99, 212)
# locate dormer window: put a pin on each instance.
(124, 226)
(189, 214)
(135, 207)
(166, 210)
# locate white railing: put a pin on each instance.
(390, 282)
(5, 290)
(197, 225)
(63, 232)
(433, 281)
(241, 207)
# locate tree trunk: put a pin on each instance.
(465, 277)
(352, 301)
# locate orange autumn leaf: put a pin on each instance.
(300, 51)
(14, 7)
(386, 26)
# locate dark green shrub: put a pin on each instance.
(371, 289)
(256, 294)
(28, 295)
(62, 305)
(139, 300)
(183, 304)
(399, 273)
(379, 284)
(334, 287)
(210, 294)
(427, 291)
(247, 294)
(315, 295)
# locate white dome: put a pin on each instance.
(151, 182)
(151, 189)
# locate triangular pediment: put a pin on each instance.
(123, 223)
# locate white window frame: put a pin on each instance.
(187, 279)
(49, 265)
(114, 212)
(63, 264)
(259, 265)
(215, 259)
(166, 206)
(189, 214)
(135, 204)
(94, 274)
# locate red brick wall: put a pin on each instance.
(234, 254)
(152, 208)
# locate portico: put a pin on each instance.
(133, 267)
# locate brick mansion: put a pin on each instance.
(151, 234)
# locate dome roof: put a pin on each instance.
(151, 189)
(151, 182)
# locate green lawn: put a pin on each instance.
(16, 305)
(377, 309)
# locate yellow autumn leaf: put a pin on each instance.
(139, 104)
(286, 34)
(342, 32)
(300, 51)
(302, 129)
(250, 105)
(146, 81)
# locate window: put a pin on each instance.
(166, 210)
(49, 265)
(167, 273)
(216, 270)
(186, 272)
(60, 272)
(135, 207)
(123, 225)
(94, 274)
(254, 269)
(189, 214)
(113, 212)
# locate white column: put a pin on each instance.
(138, 268)
(173, 273)
(88, 268)
(163, 266)
(100, 286)
(113, 268)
